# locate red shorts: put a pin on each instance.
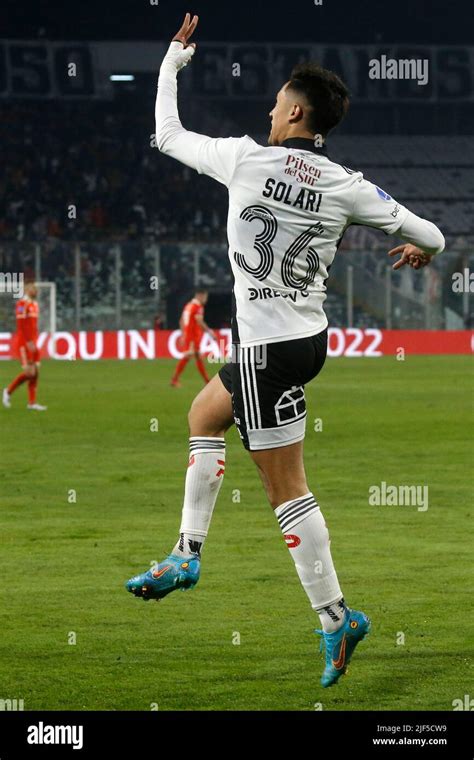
(190, 341)
(27, 356)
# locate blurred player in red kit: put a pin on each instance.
(192, 326)
(27, 313)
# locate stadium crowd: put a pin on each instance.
(91, 174)
(100, 160)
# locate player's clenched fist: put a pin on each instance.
(181, 50)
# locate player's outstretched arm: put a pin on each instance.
(376, 208)
(423, 241)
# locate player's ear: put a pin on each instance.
(296, 112)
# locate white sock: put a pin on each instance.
(307, 538)
(332, 616)
(203, 481)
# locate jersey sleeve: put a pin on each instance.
(422, 233)
(218, 157)
(215, 156)
(373, 207)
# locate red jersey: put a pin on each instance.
(27, 313)
(189, 326)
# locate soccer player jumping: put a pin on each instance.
(193, 327)
(27, 314)
(289, 206)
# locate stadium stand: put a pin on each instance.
(101, 162)
(124, 190)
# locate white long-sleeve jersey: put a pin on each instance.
(289, 206)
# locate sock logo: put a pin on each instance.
(191, 461)
(292, 541)
(222, 468)
(195, 547)
(332, 614)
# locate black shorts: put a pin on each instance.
(267, 386)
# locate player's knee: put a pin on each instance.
(199, 423)
(197, 419)
(193, 413)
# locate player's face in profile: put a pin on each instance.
(31, 291)
(279, 117)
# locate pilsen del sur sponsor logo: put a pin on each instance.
(301, 170)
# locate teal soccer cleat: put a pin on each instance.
(173, 573)
(341, 644)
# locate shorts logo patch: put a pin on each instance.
(290, 406)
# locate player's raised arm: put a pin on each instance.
(216, 157)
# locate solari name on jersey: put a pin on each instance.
(307, 200)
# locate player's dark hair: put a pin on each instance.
(324, 91)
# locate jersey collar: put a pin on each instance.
(304, 143)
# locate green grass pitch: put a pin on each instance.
(63, 563)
